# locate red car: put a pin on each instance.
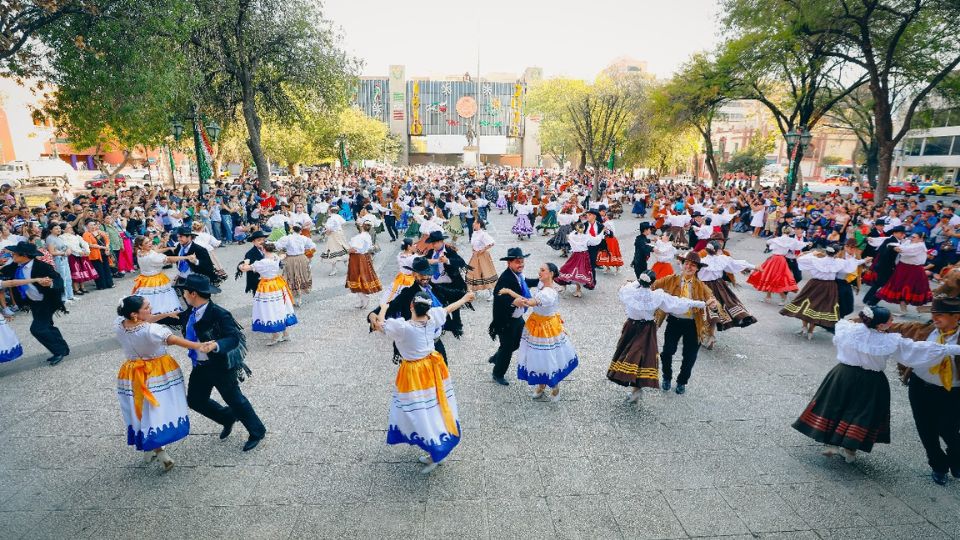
(904, 188)
(102, 180)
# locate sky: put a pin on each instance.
(565, 38)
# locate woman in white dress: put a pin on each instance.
(273, 302)
(296, 266)
(152, 283)
(757, 217)
(482, 274)
(424, 408)
(337, 248)
(150, 385)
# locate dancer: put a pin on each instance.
(273, 302)
(152, 284)
(203, 266)
(641, 250)
(254, 254)
(664, 253)
(577, 269)
(609, 255)
(566, 219)
(361, 277)
(296, 265)
(774, 275)
(635, 360)
(694, 327)
(482, 275)
(424, 408)
(883, 264)
(818, 301)
(10, 347)
(715, 265)
(549, 222)
(851, 410)
(404, 277)
(909, 283)
(507, 325)
(150, 385)
(337, 248)
(522, 226)
(545, 356)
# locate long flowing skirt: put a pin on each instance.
(611, 256)
(739, 317)
(559, 240)
(549, 221)
(773, 276)
(483, 274)
(662, 269)
(501, 203)
(635, 360)
(522, 227)
(361, 277)
(10, 348)
(818, 303)
(546, 355)
(158, 290)
(336, 248)
(125, 264)
(908, 284)
(296, 270)
(81, 270)
(153, 402)
(413, 231)
(424, 408)
(400, 282)
(454, 226)
(851, 409)
(577, 269)
(273, 306)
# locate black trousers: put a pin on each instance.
(870, 298)
(937, 415)
(794, 269)
(45, 332)
(678, 329)
(104, 274)
(203, 379)
(509, 340)
(470, 221)
(390, 223)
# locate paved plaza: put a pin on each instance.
(720, 461)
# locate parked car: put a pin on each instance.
(102, 180)
(142, 175)
(838, 180)
(903, 188)
(41, 171)
(936, 188)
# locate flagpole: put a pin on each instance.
(477, 116)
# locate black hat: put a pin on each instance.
(898, 228)
(646, 225)
(24, 248)
(693, 257)
(420, 265)
(435, 236)
(697, 214)
(197, 283)
(185, 231)
(596, 213)
(945, 304)
(514, 253)
(257, 234)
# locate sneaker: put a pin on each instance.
(681, 388)
(665, 385)
(938, 478)
(7, 312)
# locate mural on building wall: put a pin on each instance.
(370, 95)
(453, 108)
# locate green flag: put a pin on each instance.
(344, 160)
(204, 152)
(613, 157)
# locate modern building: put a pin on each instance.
(457, 119)
(931, 149)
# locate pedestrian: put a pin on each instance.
(44, 297)
(850, 412)
(150, 385)
(423, 411)
(507, 325)
(220, 365)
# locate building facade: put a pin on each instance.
(931, 150)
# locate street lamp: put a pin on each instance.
(213, 130)
(797, 142)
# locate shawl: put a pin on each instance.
(704, 319)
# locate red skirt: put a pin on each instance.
(577, 269)
(662, 269)
(80, 269)
(773, 276)
(908, 284)
(701, 245)
(610, 256)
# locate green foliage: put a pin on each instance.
(21, 22)
(752, 159)
(827, 161)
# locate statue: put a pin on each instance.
(470, 135)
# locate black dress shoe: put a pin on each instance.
(225, 432)
(251, 444)
(500, 381)
(492, 360)
(55, 359)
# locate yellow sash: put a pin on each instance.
(138, 383)
(945, 368)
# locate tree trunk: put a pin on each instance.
(709, 159)
(583, 160)
(253, 131)
(883, 123)
(885, 169)
(112, 175)
(873, 163)
(793, 180)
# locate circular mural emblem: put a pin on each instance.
(466, 107)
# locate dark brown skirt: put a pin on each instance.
(851, 409)
(739, 317)
(635, 361)
(361, 277)
(818, 303)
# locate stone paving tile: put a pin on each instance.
(465, 519)
(404, 519)
(332, 520)
(521, 518)
(646, 516)
(704, 512)
(16, 524)
(762, 510)
(583, 517)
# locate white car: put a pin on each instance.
(138, 175)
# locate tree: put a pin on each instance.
(855, 113)
(753, 158)
(258, 55)
(367, 138)
(906, 48)
(20, 23)
(549, 99)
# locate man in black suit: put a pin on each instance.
(447, 276)
(43, 297)
(253, 255)
(641, 249)
(884, 263)
(219, 364)
(507, 325)
(187, 247)
(594, 228)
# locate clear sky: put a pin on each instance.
(575, 39)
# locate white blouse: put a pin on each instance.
(148, 340)
(415, 340)
(334, 223)
(295, 244)
(913, 253)
(678, 220)
(548, 299)
(827, 268)
(480, 240)
(152, 263)
(580, 241)
(361, 242)
(784, 244)
(642, 303)
(869, 349)
(405, 260)
(716, 265)
(566, 219)
(268, 268)
(664, 251)
(933, 378)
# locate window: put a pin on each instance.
(911, 147)
(937, 146)
(956, 145)
(954, 117)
